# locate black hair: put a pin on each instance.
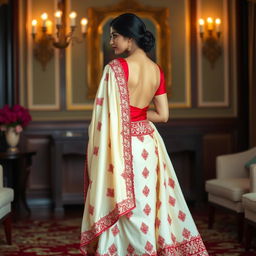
(131, 26)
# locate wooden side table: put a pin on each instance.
(16, 172)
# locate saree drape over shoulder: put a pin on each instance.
(134, 205)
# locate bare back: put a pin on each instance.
(143, 81)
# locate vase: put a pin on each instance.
(12, 139)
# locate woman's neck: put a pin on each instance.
(136, 51)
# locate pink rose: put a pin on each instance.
(18, 129)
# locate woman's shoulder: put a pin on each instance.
(116, 60)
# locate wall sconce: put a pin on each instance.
(45, 42)
(211, 46)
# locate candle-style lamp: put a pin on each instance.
(217, 26)
(211, 43)
(84, 23)
(72, 17)
(201, 27)
(34, 28)
(44, 18)
(58, 15)
(210, 24)
(43, 45)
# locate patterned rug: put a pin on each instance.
(61, 237)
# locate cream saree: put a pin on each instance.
(134, 205)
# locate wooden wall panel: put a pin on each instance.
(39, 179)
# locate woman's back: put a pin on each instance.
(143, 80)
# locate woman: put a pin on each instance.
(134, 205)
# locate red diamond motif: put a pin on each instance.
(157, 222)
(161, 241)
(99, 101)
(110, 192)
(169, 219)
(145, 190)
(115, 230)
(144, 228)
(141, 138)
(186, 233)
(145, 172)
(130, 249)
(164, 165)
(112, 249)
(111, 168)
(144, 154)
(148, 247)
(171, 183)
(96, 151)
(172, 200)
(99, 126)
(147, 209)
(106, 77)
(129, 214)
(182, 215)
(156, 151)
(173, 237)
(91, 209)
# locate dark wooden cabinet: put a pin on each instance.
(68, 150)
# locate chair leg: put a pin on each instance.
(211, 216)
(8, 228)
(248, 235)
(240, 224)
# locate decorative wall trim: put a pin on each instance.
(187, 102)
(225, 23)
(21, 40)
(30, 89)
(70, 105)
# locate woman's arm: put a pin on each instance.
(161, 112)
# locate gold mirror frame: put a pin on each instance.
(97, 18)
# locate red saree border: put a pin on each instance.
(128, 204)
(192, 247)
(140, 128)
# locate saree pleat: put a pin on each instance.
(134, 204)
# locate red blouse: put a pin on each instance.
(138, 114)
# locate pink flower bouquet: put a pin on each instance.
(17, 117)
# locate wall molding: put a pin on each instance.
(30, 87)
(225, 35)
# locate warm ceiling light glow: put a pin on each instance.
(218, 21)
(209, 20)
(44, 16)
(72, 15)
(34, 22)
(58, 14)
(84, 21)
(201, 21)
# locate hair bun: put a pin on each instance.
(147, 42)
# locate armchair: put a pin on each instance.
(6, 197)
(231, 183)
(249, 204)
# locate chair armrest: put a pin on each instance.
(232, 165)
(253, 178)
(1, 176)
